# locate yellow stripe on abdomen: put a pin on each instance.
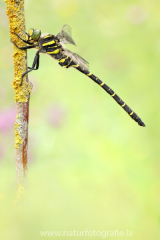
(75, 65)
(62, 60)
(89, 74)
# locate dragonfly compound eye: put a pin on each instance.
(36, 34)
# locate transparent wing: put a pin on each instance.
(77, 59)
(65, 35)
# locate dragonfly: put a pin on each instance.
(55, 47)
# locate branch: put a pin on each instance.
(15, 12)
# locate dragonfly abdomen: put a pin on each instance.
(131, 113)
(65, 61)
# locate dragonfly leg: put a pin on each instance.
(23, 48)
(21, 38)
(35, 66)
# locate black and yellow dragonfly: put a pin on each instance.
(54, 46)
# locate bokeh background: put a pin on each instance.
(90, 165)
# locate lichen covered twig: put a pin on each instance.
(15, 12)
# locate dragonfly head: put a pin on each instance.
(34, 35)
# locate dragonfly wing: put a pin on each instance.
(77, 59)
(65, 35)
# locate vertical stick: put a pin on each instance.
(15, 12)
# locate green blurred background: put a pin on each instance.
(90, 165)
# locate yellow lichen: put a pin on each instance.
(15, 12)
